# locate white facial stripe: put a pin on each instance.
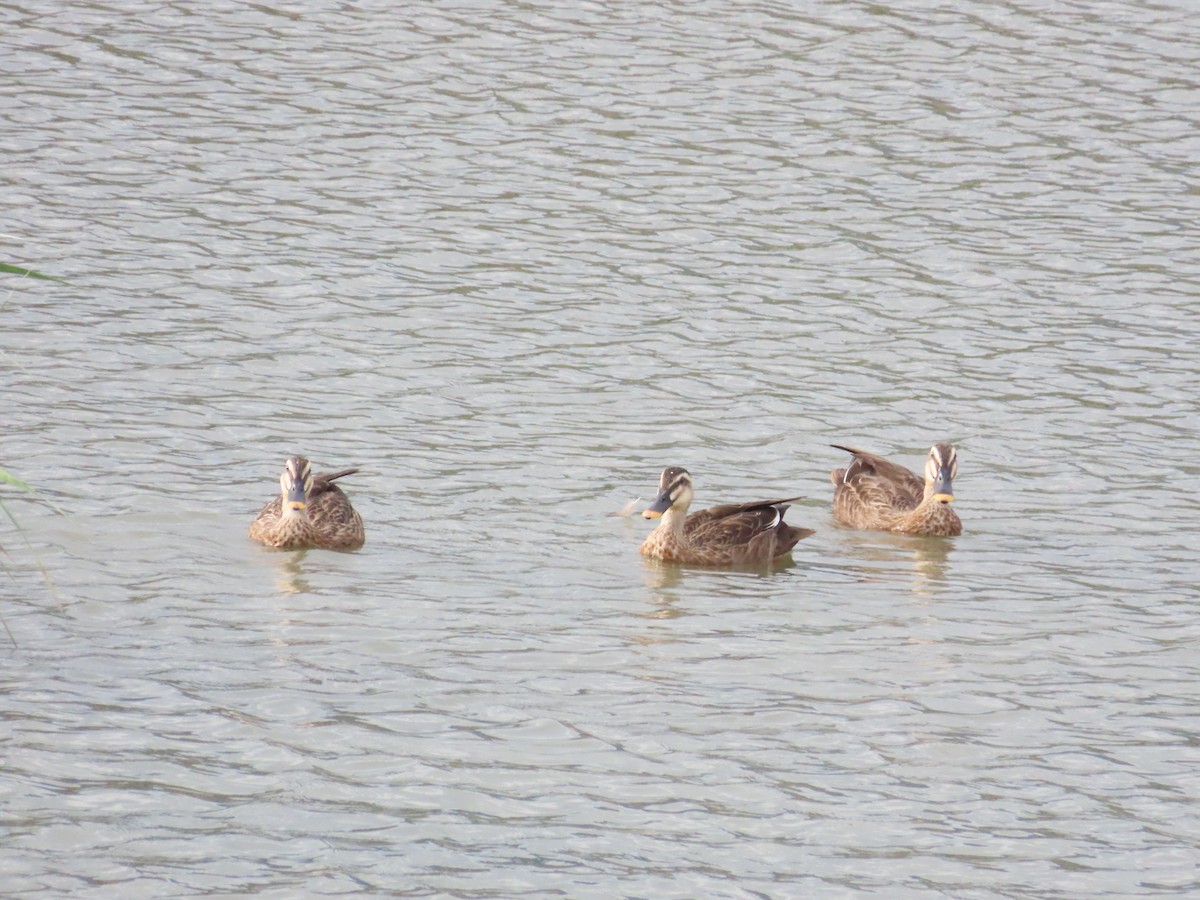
(950, 460)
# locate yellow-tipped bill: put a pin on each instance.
(659, 505)
(943, 492)
(296, 501)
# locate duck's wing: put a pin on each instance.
(873, 492)
(335, 519)
(266, 519)
(333, 515)
(735, 524)
(871, 502)
(894, 479)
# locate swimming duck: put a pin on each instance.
(730, 535)
(310, 512)
(874, 493)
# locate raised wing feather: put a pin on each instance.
(865, 465)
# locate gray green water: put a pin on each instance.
(513, 259)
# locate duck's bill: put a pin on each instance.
(943, 492)
(295, 498)
(658, 505)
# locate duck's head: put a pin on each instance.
(940, 471)
(295, 484)
(674, 492)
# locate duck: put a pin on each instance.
(311, 512)
(876, 494)
(730, 535)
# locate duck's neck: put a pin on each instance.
(672, 521)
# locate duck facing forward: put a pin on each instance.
(730, 535)
(878, 494)
(311, 512)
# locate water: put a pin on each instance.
(513, 259)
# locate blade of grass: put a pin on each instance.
(15, 482)
(30, 273)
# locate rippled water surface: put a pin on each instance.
(512, 259)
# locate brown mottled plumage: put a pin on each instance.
(875, 493)
(730, 535)
(310, 512)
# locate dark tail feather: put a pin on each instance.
(331, 476)
(790, 535)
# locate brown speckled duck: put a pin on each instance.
(874, 493)
(310, 512)
(731, 535)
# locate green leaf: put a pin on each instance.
(14, 481)
(29, 273)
